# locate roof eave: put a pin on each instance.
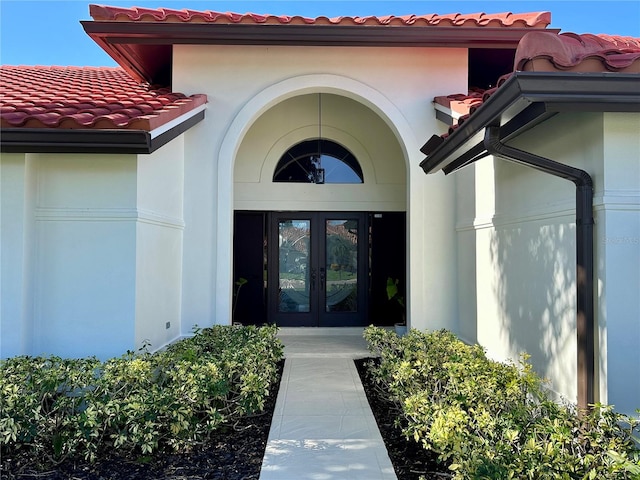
(52, 140)
(526, 99)
(302, 35)
(124, 41)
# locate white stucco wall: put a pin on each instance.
(242, 84)
(91, 252)
(17, 193)
(617, 239)
(475, 208)
(160, 190)
(83, 251)
(527, 254)
(521, 225)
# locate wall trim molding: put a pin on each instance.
(609, 200)
(558, 210)
(617, 200)
(153, 218)
(471, 224)
(68, 214)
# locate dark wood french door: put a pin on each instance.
(317, 273)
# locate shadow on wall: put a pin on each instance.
(535, 287)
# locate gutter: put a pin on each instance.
(584, 252)
(96, 141)
(528, 98)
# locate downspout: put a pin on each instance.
(584, 251)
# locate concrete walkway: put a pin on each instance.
(322, 427)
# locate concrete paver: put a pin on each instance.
(323, 427)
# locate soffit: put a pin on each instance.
(140, 39)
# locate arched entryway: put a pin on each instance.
(349, 227)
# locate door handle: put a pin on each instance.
(313, 278)
(322, 278)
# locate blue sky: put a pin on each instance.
(49, 33)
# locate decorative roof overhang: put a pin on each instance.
(89, 110)
(525, 100)
(56, 140)
(141, 40)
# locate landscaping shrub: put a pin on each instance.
(138, 403)
(492, 420)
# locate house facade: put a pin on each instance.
(283, 184)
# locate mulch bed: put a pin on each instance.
(233, 454)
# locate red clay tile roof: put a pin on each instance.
(85, 98)
(543, 51)
(459, 103)
(138, 14)
(546, 51)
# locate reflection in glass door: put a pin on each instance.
(294, 243)
(341, 266)
(320, 260)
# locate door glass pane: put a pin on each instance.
(294, 267)
(341, 270)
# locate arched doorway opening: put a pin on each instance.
(319, 223)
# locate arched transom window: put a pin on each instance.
(318, 161)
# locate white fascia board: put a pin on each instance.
(176, 121)
(447, 111)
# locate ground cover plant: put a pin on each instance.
(490, 420)
(56, 410)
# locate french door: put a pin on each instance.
(317, 273)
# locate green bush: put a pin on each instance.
(56, 408)
(491, 420)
